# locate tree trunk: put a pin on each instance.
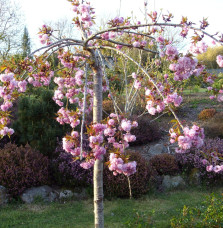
(98, 166)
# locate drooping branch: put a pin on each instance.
(107, 83)
(129, 45)
(150, 78)
(84, 109)
(122, 28)
(66, 41)
(138, 33)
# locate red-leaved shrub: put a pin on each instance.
(67, 172)
(22, 168)
(212, 150)
(118, 185)
(164, 164)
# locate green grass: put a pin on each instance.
(117, 211)
(197, 101)
(194, 90)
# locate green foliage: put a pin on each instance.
(194, 84)
(140, 220)
(218, 84)
(36, 122)
(209, 58)
(195, 102)
(25, 43)
(209, 214)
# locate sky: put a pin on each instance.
(37, 12)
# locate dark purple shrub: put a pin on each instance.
(22, 168)
(164, 164)
(196, 158)
(140, 181)
(69, 173)
(145, 132)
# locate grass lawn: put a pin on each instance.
(158, 207)
(193, 91)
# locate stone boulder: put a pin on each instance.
(66, 194)
(157, 149)
(3, 195)
(45, 192)
(170, 182)
(75, 194)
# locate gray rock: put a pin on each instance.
(173, 182)
(157, 149)
(65, 194)
(3, 195)
(44, 192)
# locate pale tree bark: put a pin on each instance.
(98, 166)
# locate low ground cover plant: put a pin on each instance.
(208, 214)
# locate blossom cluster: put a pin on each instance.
(155, 104)
(118, 163)
(118, 166)
(113, 127)
(137, 83)
(220, 60)
(184, 68)
(193, 137)
(65, 116)
(9, 91)
(43, 76)
(171, 52)
(44, 35)
(102, 137)
(84, 13)
(198, 48)
(70, 85)
(68, 60)
(173, 98)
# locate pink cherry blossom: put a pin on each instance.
(126, 125)
(220, 60)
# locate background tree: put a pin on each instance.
(10, 28)
(209, 57)
(26, 49)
